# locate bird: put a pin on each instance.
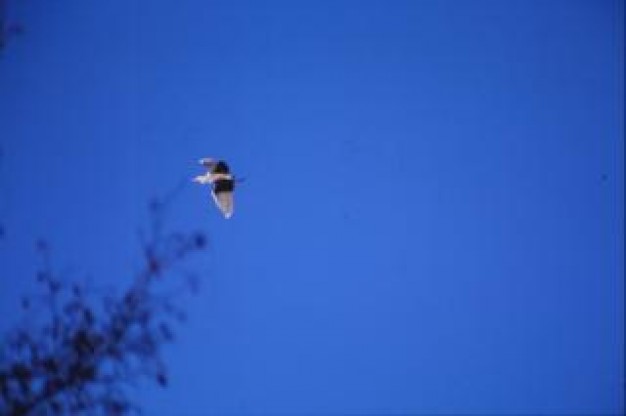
(223, 184)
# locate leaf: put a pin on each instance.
(166, 332)
(199, 240)
(161, 378)
(88, 315)
(50, 365)
(154, 265)
(21, 372)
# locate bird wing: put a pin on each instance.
(224, 202)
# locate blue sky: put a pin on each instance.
(432, 220)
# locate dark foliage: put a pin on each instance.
(91, 346)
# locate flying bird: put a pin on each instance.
(223, 184)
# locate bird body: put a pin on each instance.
(223, 184)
